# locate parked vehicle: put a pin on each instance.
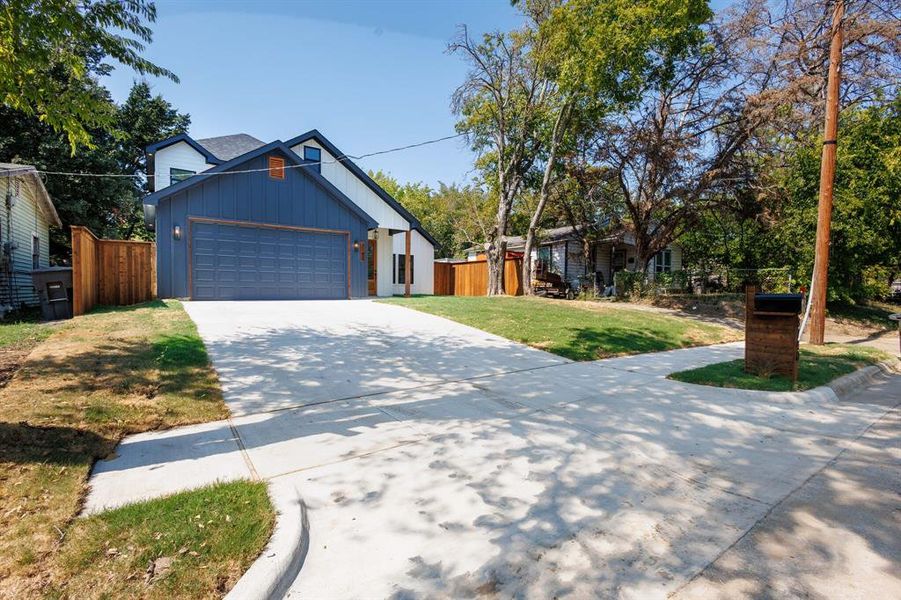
(552, 284)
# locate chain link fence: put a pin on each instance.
(698, 282)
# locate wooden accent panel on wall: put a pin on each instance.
(110, 272)
(771, 340)
(470, 278)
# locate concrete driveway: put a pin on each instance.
(438, 460)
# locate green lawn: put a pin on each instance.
(818, 365)
(96, 379)
(573, 329)
(199, 543)
(22, 330)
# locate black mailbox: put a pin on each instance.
(778, 303)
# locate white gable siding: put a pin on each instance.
(423, 263)
(18, 225)
(358, 192)
(180, 156)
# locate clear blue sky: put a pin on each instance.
(369, 75)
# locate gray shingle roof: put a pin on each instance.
(227, 147)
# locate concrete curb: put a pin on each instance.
(277, 566)
(846, 384)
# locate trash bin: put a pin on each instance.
(54, 287)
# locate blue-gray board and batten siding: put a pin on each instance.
(251, 236)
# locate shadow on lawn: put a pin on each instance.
(589, 343)
(21, 443)
(102, 309)
(169, 363)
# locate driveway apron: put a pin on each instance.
(438, 460)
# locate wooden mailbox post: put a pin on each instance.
(771, 333)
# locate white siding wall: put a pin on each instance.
(359, 193)
(19, 225)
(423, 264)
(675, 261)
(179, 156)
(602, 254)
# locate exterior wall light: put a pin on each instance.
(176, 232)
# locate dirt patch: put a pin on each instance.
(12, 357)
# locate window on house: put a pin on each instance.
(314, 154)
(400, 266)
(35, 251)
(176, 175)
(663, 261)
(276, 167)
(545, 259)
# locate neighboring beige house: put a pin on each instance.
(26, 215)
(560, 251)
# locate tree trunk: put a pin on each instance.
(559, 127)
(590, 267)
(497, 246)
(527, 263)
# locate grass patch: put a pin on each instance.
(817, 365)
(22, 329)
(873, 315)
(190, 545)
(575, 330)
(19, 333)
(110, 373)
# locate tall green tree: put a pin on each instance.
(865, 254)
(456, 216)
(502, 108)
(110, 206)
(601, 57)
(51, 52)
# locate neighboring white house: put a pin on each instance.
(26, 215)
(176, 159)
(560, 251)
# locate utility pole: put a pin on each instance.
(827, 179)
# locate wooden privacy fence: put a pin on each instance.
(111, 272)
(470, 278)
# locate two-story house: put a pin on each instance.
(238, 218)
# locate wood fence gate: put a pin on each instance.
(110, 272)
(470, 278)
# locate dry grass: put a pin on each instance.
(100, 377)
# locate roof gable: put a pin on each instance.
(184, 137)
(167, 192)
(314, 134)
(42, 197)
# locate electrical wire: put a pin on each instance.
(341, 159)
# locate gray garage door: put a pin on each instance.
(236, 262)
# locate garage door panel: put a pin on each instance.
(238, 262)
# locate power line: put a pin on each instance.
(341, 159)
